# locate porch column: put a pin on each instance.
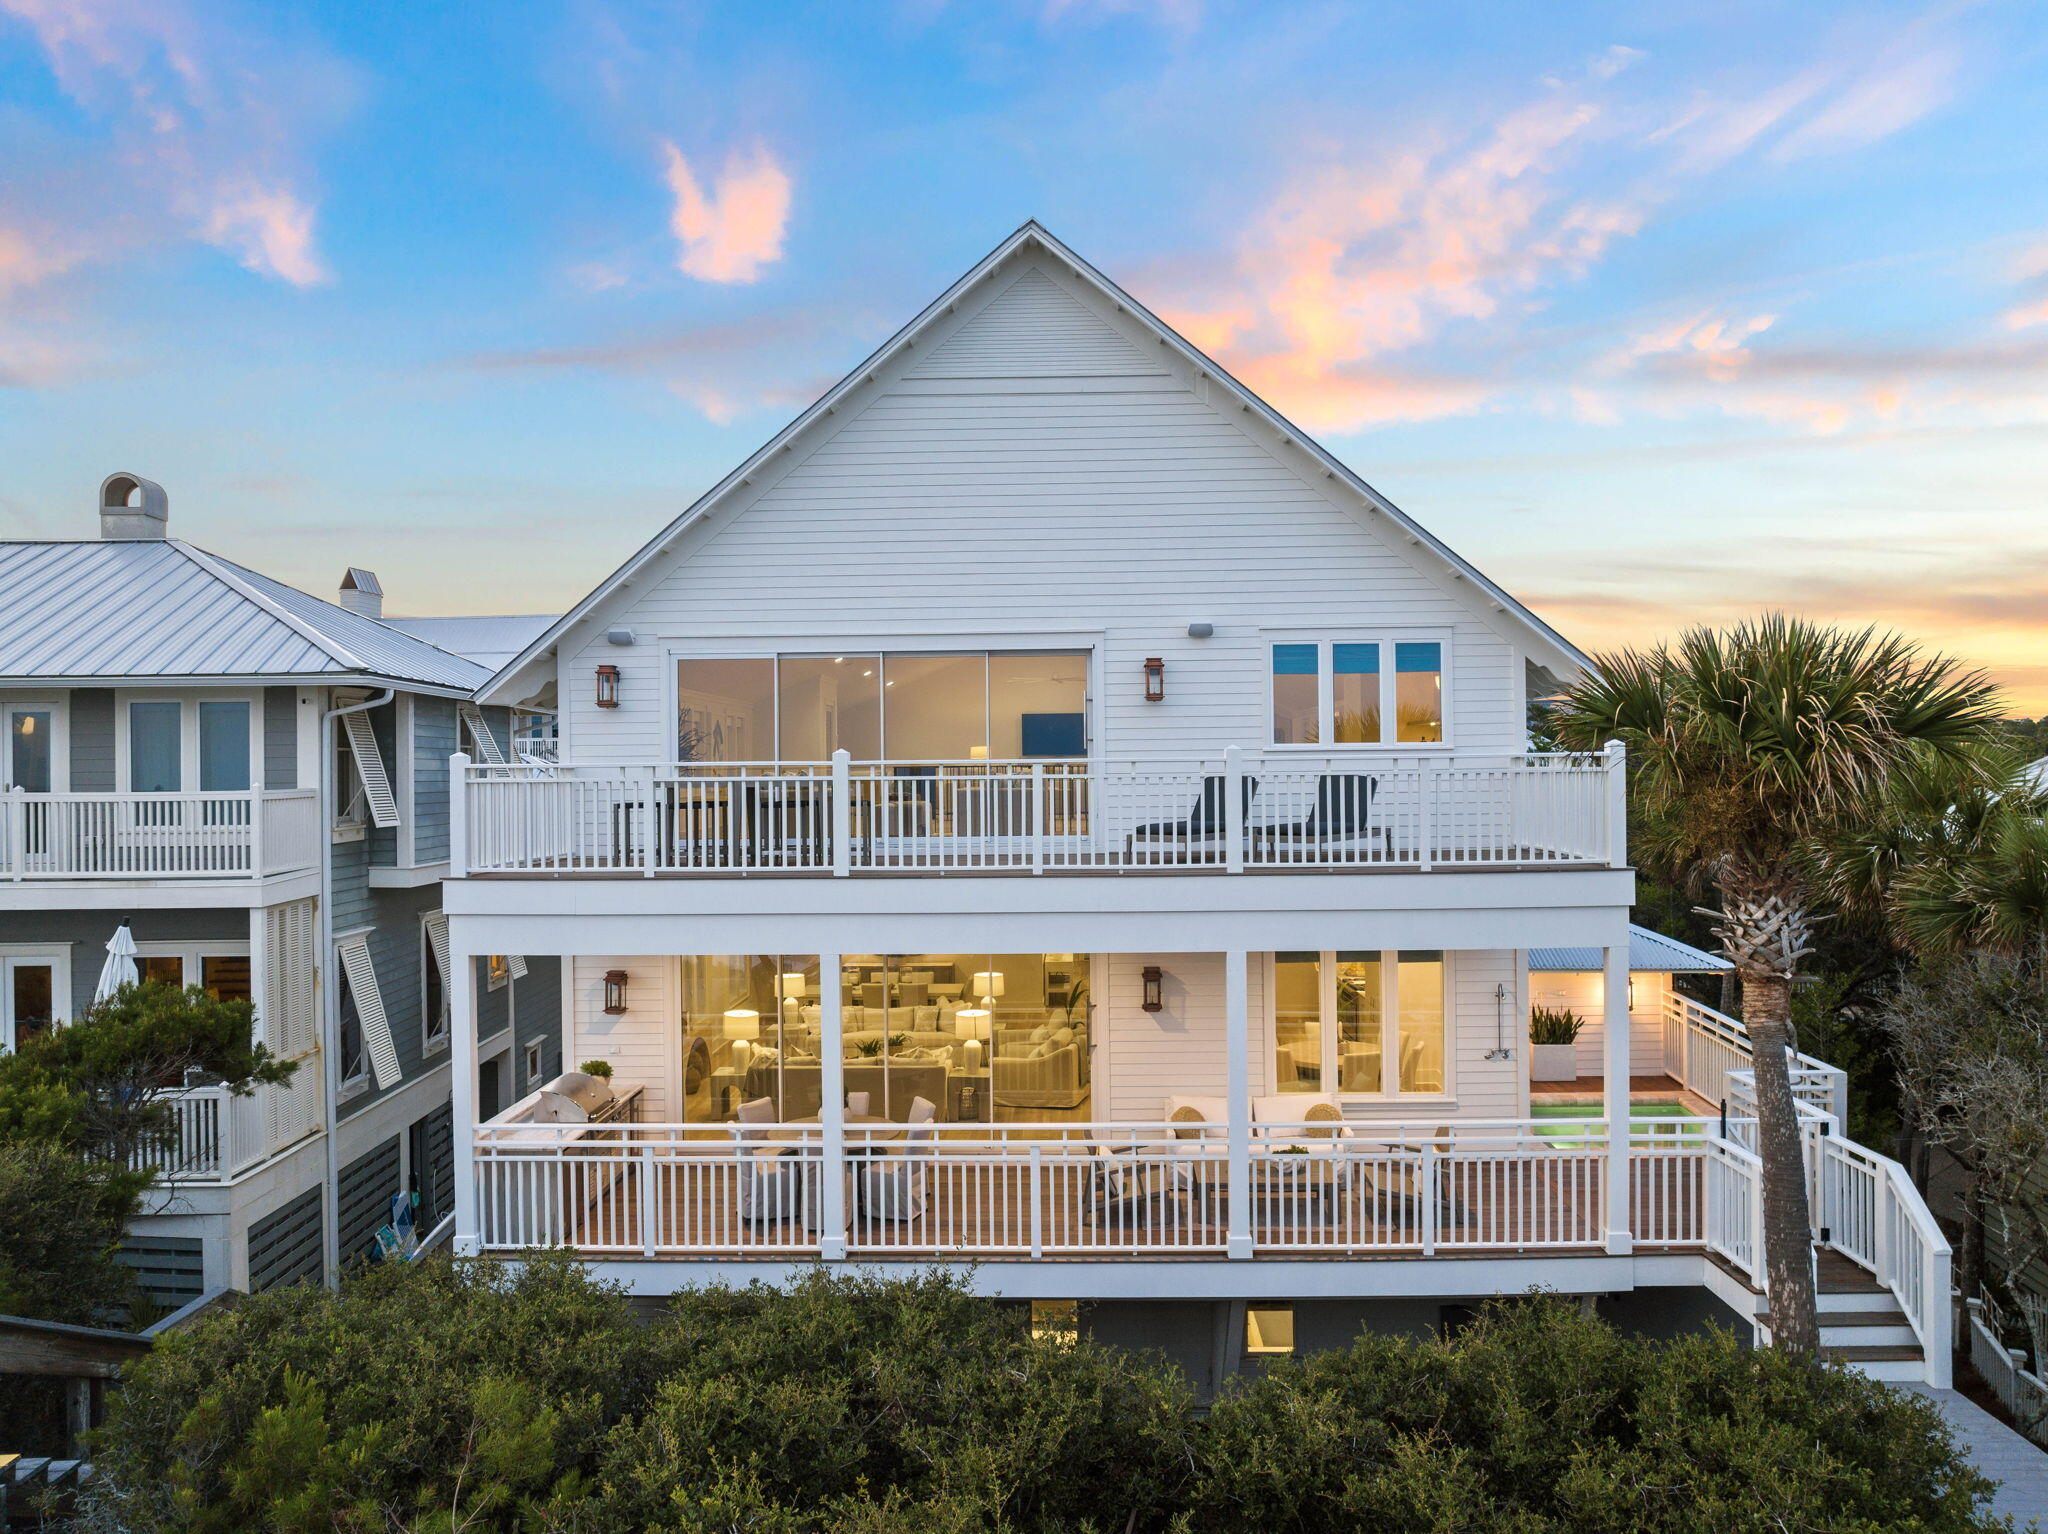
(832, 1110)
(1237, 1043)
(461, 984)
(1615, 1041)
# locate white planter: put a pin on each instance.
(1553, 1062)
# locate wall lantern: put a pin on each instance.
(614, 991)
(1155, 680)
(607, 686)
(1154, 979)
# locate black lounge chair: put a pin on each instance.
(1343, 810)
(1205, 822)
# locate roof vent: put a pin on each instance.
(132, 507)
(361, 593)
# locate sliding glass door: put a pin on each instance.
(926, 707)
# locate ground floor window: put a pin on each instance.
(981, 1037)
(1056, 1320)
(1368, 1021)
(1269, 1328)
(32, 998)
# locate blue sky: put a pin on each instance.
(1659, 312)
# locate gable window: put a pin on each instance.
(1365, 692)
(955, 707)
(1367, 1021)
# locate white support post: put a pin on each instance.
(1237, 1036)
(842, 814)
(462, 1087)
(1233, 811)
(256, 830)
(458, 817)
(1425, 813)
(1035, 817)
(1617, 804)
(650, 812)
(1615, 1042)
(831, 1111)
(17, 831)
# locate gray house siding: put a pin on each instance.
(280, 737)
(435, 737)
(534, 1006)
(397, 952)
(363, 1203)
(92, 741)
(285, 1246)
(87, 932)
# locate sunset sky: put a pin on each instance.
(1659, 312)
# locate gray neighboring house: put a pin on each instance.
(256, 780)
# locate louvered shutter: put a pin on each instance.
(480, 734)
(437, 939)
(362, 984)
(515, 966)
(362, 745)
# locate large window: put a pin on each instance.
(1366, 1021)
(29, 747)
(969, 706)
(178, 744)
(979, 1036)
(32, 999)
(1346, 692)
(224, 976)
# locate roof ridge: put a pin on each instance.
(213, 565)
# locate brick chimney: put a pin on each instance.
(361, 593)
(132, 507)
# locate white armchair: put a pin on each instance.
(893, 1187)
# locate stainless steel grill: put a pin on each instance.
(591, 1094)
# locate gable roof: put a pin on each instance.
(1550, 647)
(161, 610)
(1647, 951)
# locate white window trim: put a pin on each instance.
(434, 952)
(1386, 639)
(533, 1061)
(1390, 1058)
(189, 699)
(189, 954)
(58, 957)
(59, 706)
(1087, 645)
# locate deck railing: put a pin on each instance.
(1077, 1190)
(1713, 1059)
(1244, 810)
(249, 835)
(212, 1135)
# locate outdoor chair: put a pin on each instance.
(1205, 821)
(1342, 812)
(893, 1187)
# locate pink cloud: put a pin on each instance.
(208, 118)
(731, 233)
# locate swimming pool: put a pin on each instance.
(1555, 1120)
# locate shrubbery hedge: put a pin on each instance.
(466, 1395)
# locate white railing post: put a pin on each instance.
(1034, 818)
(1237, 1031)
(1617, 804)
(1233, 810)
(832, 1111)
(842, 813)
(458, 819)
(1425, 813)
(1937, 1340)
(1037, 1201)
(1615, 1047)
(650, 815)
(17, 831)
(256, 866)
(1431, 1173)
(649, 1200)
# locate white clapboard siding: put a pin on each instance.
(480, 734)
(369, 999)
(1073, 494)
(362, 745)
(641, 1044)
(1581, 991)
(1180, 1048)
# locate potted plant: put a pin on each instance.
(1553, 1043)
(596, 1068)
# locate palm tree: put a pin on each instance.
(1750, 747)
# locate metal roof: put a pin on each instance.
(158, 608)
(1647, 950)
(490, 642)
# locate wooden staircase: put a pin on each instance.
(1861, 1324)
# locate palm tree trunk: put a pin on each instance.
(1788, 1235)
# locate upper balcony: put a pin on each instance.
(183, 838)
(1245, 811)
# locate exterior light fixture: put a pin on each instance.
(1155, 978)
(607, 686)
(1155, 679)
(614, 991)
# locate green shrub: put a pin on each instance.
(1554, 1025)
(61, 1220)
(1536, 1418)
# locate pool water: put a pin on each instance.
(1642, 1117)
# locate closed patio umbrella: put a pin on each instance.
(119, 970)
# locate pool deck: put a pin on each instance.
(1589, 1089)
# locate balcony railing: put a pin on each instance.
(214, 1136)
(1244, 812)
(249, 835)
